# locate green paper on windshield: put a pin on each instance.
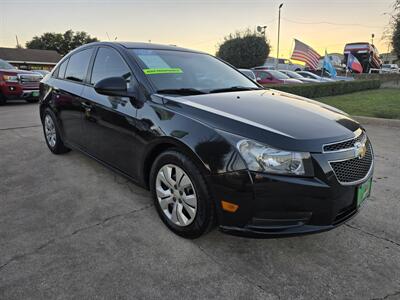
(163, 71)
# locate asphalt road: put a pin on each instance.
(71, 228)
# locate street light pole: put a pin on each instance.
(279, 33)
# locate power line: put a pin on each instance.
(331, 23)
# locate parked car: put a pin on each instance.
(336, 78)
(18, 84)
(366, 53)
(274, 77)
(41, 72)
(390, 68)
(295, 75)
(212, 145)
(249, 73)
(308, 74)
(272, 63)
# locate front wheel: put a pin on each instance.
(3, 100)
(52, 133)
(181, 196)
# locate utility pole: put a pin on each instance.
(279, 33)
(372, 38)
(16, 38)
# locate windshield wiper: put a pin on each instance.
(235, 89)
(182, 91)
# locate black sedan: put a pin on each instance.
(213, 146)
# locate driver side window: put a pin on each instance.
(109, 63)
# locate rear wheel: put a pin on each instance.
(181, 196)
(52, 133)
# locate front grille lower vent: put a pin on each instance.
(353, 170)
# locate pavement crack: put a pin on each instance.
(21, 127)
(240, 275)
(388, 296)
(52, 241)
(374, 235)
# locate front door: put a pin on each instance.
(110, 121)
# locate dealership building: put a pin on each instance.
(30, 59)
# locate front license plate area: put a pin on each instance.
(35, 94)
(363, 191)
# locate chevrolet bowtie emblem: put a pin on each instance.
(360, 149)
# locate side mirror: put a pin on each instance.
(112, 86)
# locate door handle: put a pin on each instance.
(86, 105)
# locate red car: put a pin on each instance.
(366, 53)
(274, 77)
(18, 84)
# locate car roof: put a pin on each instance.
(140, 45)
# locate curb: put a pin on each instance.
(378, 121)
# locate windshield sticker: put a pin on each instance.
(153, 61)
(163, 71)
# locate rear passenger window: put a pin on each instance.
(109, 63)
(78, 65)
(61, 69)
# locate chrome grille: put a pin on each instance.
(345, 144)
(353, 170)
(28, 79)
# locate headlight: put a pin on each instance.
(10, 78)
(263, 158)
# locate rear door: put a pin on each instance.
(67, 90)
(110, 121)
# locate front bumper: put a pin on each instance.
(274, 206)
(12, 91)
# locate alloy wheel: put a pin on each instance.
(50, 131)
(176, 195)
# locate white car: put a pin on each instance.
(296, 75)
(283, 64)
(249, 73)
(390, 68)
(307, 74)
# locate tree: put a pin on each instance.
(396, 30)
(244, 49)
(61, 42)
(396, 37)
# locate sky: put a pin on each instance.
(201, 24)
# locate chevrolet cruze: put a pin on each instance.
(213, 146)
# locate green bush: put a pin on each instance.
(244, 49)
(317, 90)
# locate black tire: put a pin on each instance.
(3, 100)
(205, 216)
(32, 100)
(59, 147)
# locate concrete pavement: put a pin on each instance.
(71, 228)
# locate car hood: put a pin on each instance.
(16, 71)
(291, 80)
(275, 118)
(309, 80)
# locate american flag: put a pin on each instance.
(305, 53)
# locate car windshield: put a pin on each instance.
(278, 75)
(292, 74)
(178, 72)
(309, 75)
(5, 65)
